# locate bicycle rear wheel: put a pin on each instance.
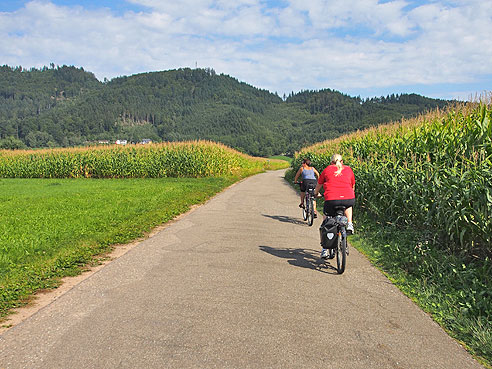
(310, 210)
(305, 210)
(341, 253)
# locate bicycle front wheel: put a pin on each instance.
(341, 253)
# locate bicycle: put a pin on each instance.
(309, 204)
(336, 226)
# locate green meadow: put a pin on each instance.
(49, 228)
(61, 209)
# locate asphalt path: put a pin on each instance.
(236, 283)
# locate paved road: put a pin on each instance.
(236, 283)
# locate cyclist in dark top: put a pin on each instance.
(309, 176)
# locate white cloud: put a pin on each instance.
(327, 44)
(353, 14)
(182, 8)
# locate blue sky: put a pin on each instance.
(436, 48)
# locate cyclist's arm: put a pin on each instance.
(316, 172)
(316, 190)
(298, 174)
(353, 181)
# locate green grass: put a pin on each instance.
(288, 159)
(51, 228)
(453, 289)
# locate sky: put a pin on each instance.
(436, 48)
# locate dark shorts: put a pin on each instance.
(308, 183)
(330, 205)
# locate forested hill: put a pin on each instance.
(67, 106)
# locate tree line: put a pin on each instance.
(67, 106)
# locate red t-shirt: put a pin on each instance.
(339, 187)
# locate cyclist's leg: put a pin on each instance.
(349, 206)
(348, 214)
(303, 194)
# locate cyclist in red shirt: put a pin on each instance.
(338, 181)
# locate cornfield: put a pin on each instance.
(433, 173)
(184, 159)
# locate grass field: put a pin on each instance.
(102, 196)
(282, 157)
(49, 228)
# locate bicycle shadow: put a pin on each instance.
(286, 219)
(303, 258)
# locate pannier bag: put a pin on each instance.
(328, 233)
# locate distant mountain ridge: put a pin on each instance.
(67, 106)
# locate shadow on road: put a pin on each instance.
(285, 219)
(303, 258)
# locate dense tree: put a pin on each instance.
(11, 143)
